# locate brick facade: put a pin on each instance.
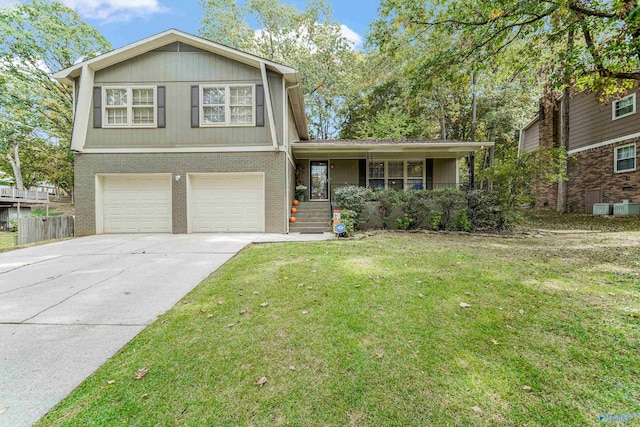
(546, 193)
(271, 163)
(594, 170)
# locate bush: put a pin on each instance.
(387, 201)
(462, 222)
(416, 206)
(450, 201)
(404, 222)
(435, 219)
(484, 211)
(354, 198)
(348, 218)
(12, 224)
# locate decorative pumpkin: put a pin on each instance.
(296, 203)
(292, 219)
(294, 210)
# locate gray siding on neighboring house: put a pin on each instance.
(591, 122)
(178, 71)
(531, 137)
(271, 163)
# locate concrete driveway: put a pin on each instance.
(66, 307)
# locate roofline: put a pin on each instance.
(161, 39)
(398, 146)
(530, 122)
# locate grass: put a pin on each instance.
(370, 333)
(7, 241)
(549, 219)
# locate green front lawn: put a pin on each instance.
(371, 332)
(7, 240)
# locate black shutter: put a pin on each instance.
(161, 95)
(97, 107)
(259, 105)
(195, 106)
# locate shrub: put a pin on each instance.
(12, 224)
(348, 218)
(404, 222)
(462, 222)
(387, 201)
(435, 219)
(416, 206)
(354, 198)
(485, 212)
(450, 201)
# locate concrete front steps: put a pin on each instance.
(312, 217)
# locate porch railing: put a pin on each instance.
(12, 194)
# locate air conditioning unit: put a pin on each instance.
(602, 209)
(626, 209)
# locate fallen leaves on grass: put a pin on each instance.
(526, 388)
(420, 296)
(261, 381)
(292, 367)
(465, 305)
(111, 382)
(477, 410)
(494, 342)
(140, 374)
(305, 311)
(264, 304)
(378, 356)
(243, 311)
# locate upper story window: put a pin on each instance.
(625, 158)
(227, 105)
(131, 106)
(624, 107)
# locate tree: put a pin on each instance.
(38, 38)
(309, 41)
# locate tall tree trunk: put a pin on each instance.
(561, 206)
(15, 165)
(474, 81)
(443, 128)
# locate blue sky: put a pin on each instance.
(125, 21)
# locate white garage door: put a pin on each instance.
(226, 203)
(136, 203)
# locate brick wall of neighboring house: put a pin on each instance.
(546, 193)
(271, 163)
(594, 169)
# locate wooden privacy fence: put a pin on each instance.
(32, 230)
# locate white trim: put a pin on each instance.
(405, 169)
(267, 101)
(226, 149)
(614, 103)
(129, 107)
(83, 113)
(227, 104)
(603, 143)
(226, 174)
(615, 158)
(457, 173)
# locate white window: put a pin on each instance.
(625, 158)
(624, 107)
(227, 105)
(397, 174)
(130, 106)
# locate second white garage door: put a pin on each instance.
(226, 203)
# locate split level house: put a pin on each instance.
(178, 134)
(602, 149)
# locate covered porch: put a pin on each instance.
(325, 166)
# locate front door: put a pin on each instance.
(319, 180)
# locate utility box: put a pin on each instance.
(602, 209)
(626, 209)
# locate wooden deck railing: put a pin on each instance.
(12, 194)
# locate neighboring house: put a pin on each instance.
(178, 134)
(602, 148)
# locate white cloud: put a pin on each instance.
(115, 10)
(351, 35)
(7, 3)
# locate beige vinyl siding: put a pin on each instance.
(444, 171)
(531, 137)
(591, 122)
(344, 172)
(178, 71)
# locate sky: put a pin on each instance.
(126, 21)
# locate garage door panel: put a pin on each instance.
(137, 204)
(227, 203)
